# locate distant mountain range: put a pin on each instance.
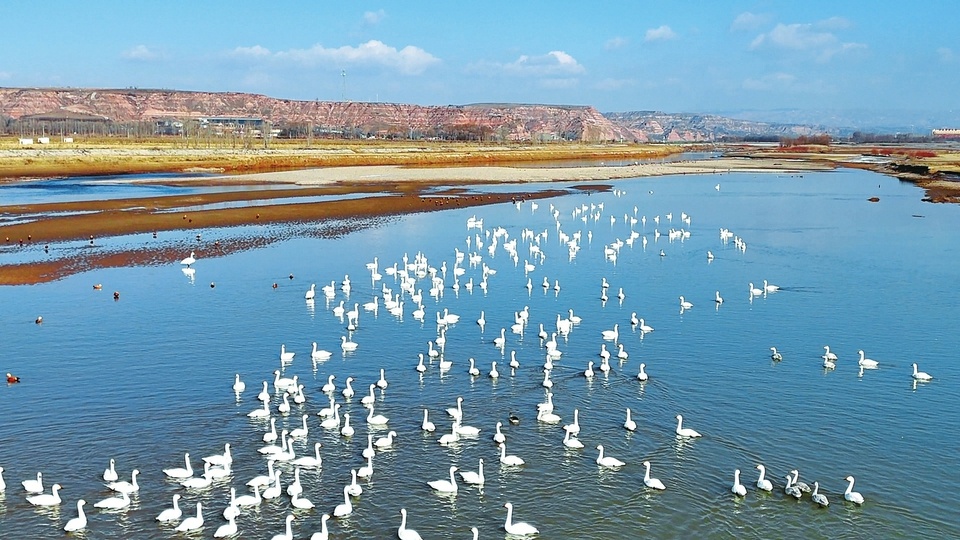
(114, 110)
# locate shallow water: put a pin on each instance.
(148, 377)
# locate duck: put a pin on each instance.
(319, 354)
(346, 508)
(763, 483)
(192, 523)
(79, 522)
(46, 499)
(509, 459)
(642, 375)
(818, 497)
(685, 432)
(34, 486)
(775, 355)
(866, 362)
(519, 528)
(403, 533)
(173, 513)
(652, 483)
(738, 489)
(180, 473)
(445, 486)
(123, 486)
(473, 478)
(629, 424)
(110, 474)
(850, 495)
(921, 375)
(114, 503)
(11, 378)
(607, 461)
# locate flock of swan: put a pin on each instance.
(334, 412)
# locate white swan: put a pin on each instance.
(286, 356)
(612, 335)
(376, 419)
(345, 508)
(464, 430)
(571, 442)
(473, 478)
(718, 299)
(227, 529)
(189, 260)
(348, 391)
(791, 489)
(607, 461)
(274, 490)
(642, 375)
(123, 486)
(802, 486)
(313, 461)
(382, 382)
(588, 373)
(249, 500)
(192, 523)
(738, 488)
(498, 436)
(818, 497)
(519, 528)
(324, 534)
(850, 495)
(501, 341)
(366, 471)
(403, 533)
(46, 499)
(685, 432)
(652, 483)
(385, 442)
(302, 431)
(427, 425)
(347, 346)
(644, 327)
(754, 291)
(300, 502)
(770, 287)
(574, 319)
(113, 503)
(917, 375)
(827, 355)
(347, 430)
(180, 473)
(445, 486)
(220, 459)
(334, 421)
(867, 362)
(775, 355)
(763, 483)
(629, 424)
(420, 366)
(353, 488)
(201, 482)
(493, 371)
(78, 522)
(110, 474)
(684, 304)
(264, 394)
(482, 321)
(509, 459)
(621, 353)
(263, 479)
(34, 486)
(547, 417)
(319, 354)
(574, 427)
(171, 514)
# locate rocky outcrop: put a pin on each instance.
(655, 126)
(513, 122)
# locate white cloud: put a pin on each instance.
(749, 21)
(770, 81)
(374, 17)
(663, 33)
(616, 43)
(409, 60)
(807, 38)
(945, 53)
(553, 63)
(834, 23)
(141, 53)
(614, 84)
(559, 83)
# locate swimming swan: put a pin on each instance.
(851, 495)
(474, 478)
(110, 474)
(653, 483)
(519, 528)
(738, 488)
(607, 461)
(629, 424)
(509, 459)
(917, 375)
(685, 432)
(192, 523)
(78, 522)
(866, 362)
(445, 486)
(403, 533)
(171, 514)
(817, 497)
(46, 499)
(774, 355)
(762, 482)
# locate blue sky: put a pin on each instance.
(709, 56)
